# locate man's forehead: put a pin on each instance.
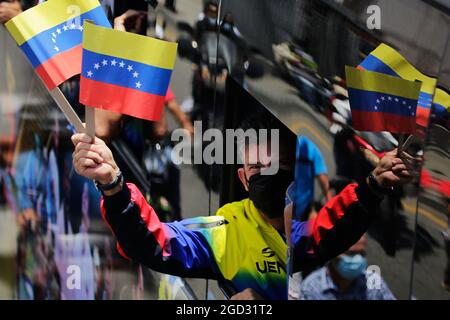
(260, 153)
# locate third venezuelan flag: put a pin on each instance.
(380, 102)
(50, 35)
(125, 72)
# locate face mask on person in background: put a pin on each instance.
(227, 26)
(268, 192)
(211, 21)
(351, 267)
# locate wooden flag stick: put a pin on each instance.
(67, 109)
(90, 121)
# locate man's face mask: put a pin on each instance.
(351, 267)
(268, 192)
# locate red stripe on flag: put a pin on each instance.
(422, 116)
(61, 67)
(121, 100)
(380, 121)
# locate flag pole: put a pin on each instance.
(401, 140)
(90, 121)
(67, 109)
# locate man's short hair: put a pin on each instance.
(257, 122)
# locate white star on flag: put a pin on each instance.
(53, 35)
(80, 28)
(54, 40)
(409, 107)
(58, 31)
(56, 48)
(113, 62)
(130, 68)
(403, 102)
(104, 62)
(121, 64)
(378, 101)
(396, 99)
(376, 108)
(65, 28)
(89, 73)
(382, 98)
(389, 98)
(96, 66)
(135, 74)
(72, 26)
(138, 84)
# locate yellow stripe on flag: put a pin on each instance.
(130, 46)
(403, 68)
(380, 82)
(46, 16)
(443, 98)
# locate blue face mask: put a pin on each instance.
(226, 26)
(350, 267)
(212, 21)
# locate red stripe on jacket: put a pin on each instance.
(147, 214)
(333, 211)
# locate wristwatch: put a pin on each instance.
(376, 187)
(111, 186)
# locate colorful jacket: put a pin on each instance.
(236, 244)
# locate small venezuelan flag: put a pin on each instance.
(125, 72)
(387, 60)
(380, 102)
(50, 35)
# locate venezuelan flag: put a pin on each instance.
(125, 72)
(50, 35)
(441, 103)
(380, 102)
(387, 60)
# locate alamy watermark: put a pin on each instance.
(73, 281)
(373, 22)
(214, 146)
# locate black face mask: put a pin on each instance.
(268, 192)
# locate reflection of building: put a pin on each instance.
(321, 27)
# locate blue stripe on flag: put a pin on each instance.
(381, 102)
(372, 63)
(425, 100)
(125, 73)
(60, 38)
(439, 109)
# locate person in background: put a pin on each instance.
(207, 20)
(310, 166)
(346, 278)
